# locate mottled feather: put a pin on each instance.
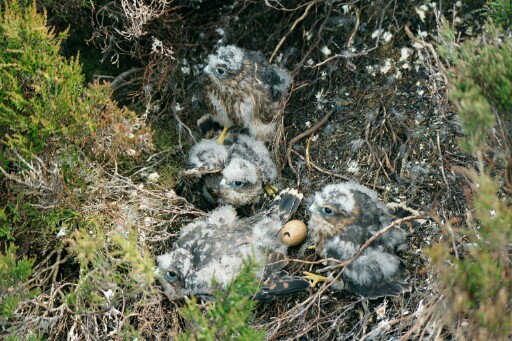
(242, 165)
(243, 89)
(343, 217)
(215, 248)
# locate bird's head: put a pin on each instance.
(334, 207)
(227, 63)
(172, 270)
(241, 183)
(240, 173)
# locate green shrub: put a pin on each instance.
(501, 12)
(39, 88)
(478, 286)
(61, 143)
(481, 82)
(106, 263)
(228, 316)
(43, 100)
(13, 273)
(53, 127)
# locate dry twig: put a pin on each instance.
(302, 17)
(369, 241)
(302, 135)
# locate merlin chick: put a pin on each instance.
(235, 172)
(215, 248)
(343, 217)
(243, 89)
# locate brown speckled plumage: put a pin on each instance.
(243, 89)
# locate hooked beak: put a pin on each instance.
(223, 184)
(313, 209)
(207, 70)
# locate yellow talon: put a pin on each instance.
(311, 247)
(222, 135)
(271, 190)
(315, 278)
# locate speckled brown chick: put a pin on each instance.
(243, 89)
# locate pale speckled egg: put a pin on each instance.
(293, 232)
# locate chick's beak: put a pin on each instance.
(313, 209)
(223, 183)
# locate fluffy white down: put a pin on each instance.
(286, 79)
(223, 270)
(247, 111)
(230, 56)
(266, 235)
(354, 186)
(373, 267)
(223, 215)
(339, 248)
(240, 170)
(186, 264)
(164, 261)
(212, 153)
(222, 117)
(337, 193)
(262, 157)
(190, 227)
(342, 194)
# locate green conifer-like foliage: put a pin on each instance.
(61, 143)
(229, 315)
(40, 88)
(477, 279)
(13, 273)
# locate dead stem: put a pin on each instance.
(302, 17)
(369, 241)
(302, 135)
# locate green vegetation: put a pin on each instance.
(229, 315)
(40, 89)
(77, 229)
(478, 286)
(43, 99)
(501, 12)
(13, 273)
(59, 141)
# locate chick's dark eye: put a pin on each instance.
(238, 183)
(171, 274)
(327, 211)
(220, 71)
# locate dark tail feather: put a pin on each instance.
(208, 126)
(286, 203)
(280, 284)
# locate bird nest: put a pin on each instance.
(368, 103)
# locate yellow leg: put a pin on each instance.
(314, 277)
(270, 190)
(311, 247)
(222, 135)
